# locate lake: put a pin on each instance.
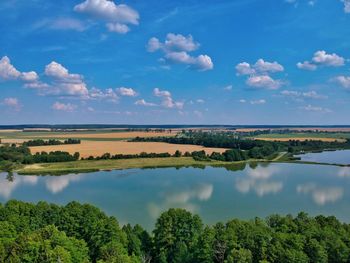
(333, 157)
(216, 194)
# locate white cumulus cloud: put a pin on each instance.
(343, 81)
(64, 107)
(116, 16)
(322, 58)
(129, 92)
(259, 74)
(176, 48)
(263, 81)
(142, 102)
(12, 103)
(167, 100)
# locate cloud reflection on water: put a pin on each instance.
(344, 172)
(258, 180)
(321, 195)
(182, 199)
(8, 186)
(56, 184)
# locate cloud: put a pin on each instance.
(322, 58)
(321, 195)
(306, 65)
(12, 103)
(315, 109)
(346, 6)
(176, 48)
(65, 83)
(302, 95)
(118, 28)
(64, 107)
(343, 81)
(129, 92)
(242, 101)
(31, 76)
(116, 16)
(259, 74)
(142, 102)
(260, 67)
(9, 72)
(167, 100)
(173, 43)
(108, 94)
(264, 81)
(58, 81)
(257, 102)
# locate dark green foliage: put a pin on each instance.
(176, 235)
(10, 155)
(82, 233)
(257, 149)
(75, 233)
(40, 142)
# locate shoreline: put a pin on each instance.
(88, 166)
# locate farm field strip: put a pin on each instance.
(98, 148)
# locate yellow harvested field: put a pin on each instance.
(300, 139)
(97, 148)
(9, 131)
(106, 135)
(13, 140)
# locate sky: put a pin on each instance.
(237, 62)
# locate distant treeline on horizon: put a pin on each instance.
(167, 126)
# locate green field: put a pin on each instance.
(97, 165)
(335, 135)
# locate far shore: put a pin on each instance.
(86, 166)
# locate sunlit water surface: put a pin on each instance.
(333, 157)
(216, 194)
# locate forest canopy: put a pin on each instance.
(82, 233)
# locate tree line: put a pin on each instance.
(82, 233)
(12, 155)
(40, 142)
(233, 141)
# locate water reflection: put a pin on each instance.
(258, 180)
(321, 195)
(56, 184)
(217, 194)
(9, 182)
(182, 199)
(344, 172)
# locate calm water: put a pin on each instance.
(334, 157)
(217, 194)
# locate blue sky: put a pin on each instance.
(175, 62)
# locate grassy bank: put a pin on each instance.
(99, 165)
(102, 165)
(106, 165)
